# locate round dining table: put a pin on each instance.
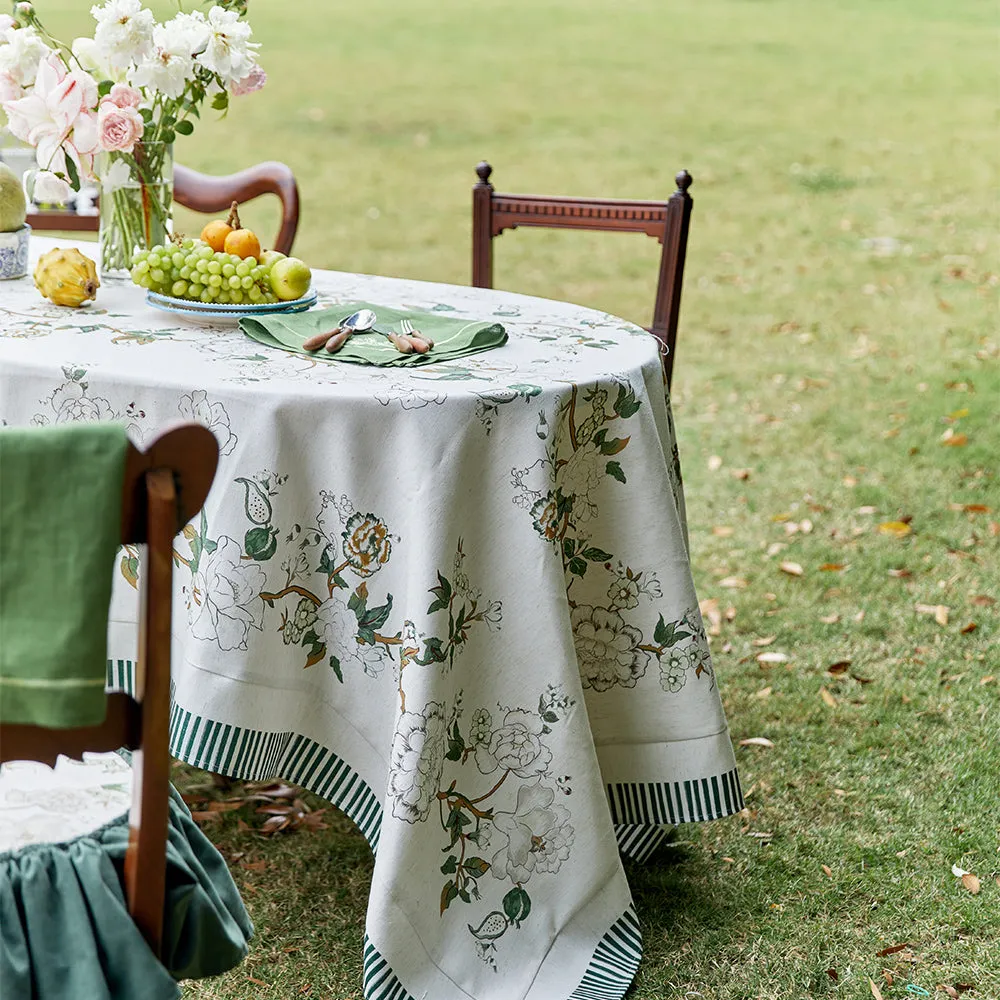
(454, 599)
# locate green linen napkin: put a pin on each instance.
(60, 525)
(453, 338)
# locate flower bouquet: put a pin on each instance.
(107, 109)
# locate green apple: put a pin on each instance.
(12, 202)
(290, 278)
(269, 257)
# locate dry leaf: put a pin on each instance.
(756, 741)
(791, 568)
(862, 680)
(774, 548)
(982, 601)
(939, 611)
(763, 693)
(860, 616)
(895, 528)
(891, 950)
(714, 463)
(970, 508)
(949, 990)
(971, 882)
(734, 583)
(827, 871)
(722, 531)
(829, 619)
(832, 973)
(785, 515)
(709, 609)
(772, 657)
(850, 481)
(876, 992)
(900, 573)
(966, 629)
(840, 667)
(831, 567)
(867, 509)
(987, 680)
(205, 816)
(954, 440)
(740, 473)
(828, 699)
(764, 641)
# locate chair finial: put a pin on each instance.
(484, 170)
(684, 181)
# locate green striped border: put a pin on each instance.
(608, 977)
(663, 802)
(639, 841)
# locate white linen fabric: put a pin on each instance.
(454, 600)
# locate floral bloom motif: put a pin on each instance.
(537, 833)
(673, 670)
(295, 627)
(125, 96)
(196, 406)
(229, 51)
(251, 83)
(70, 403)
(367, 544)
(417, 757)
(624, 592)
(124, 31)
(545, 516)
(607, 648)
(337, 626)
(515, 746)
(226, 601)
(482, 726)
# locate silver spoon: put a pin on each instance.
(359, 322)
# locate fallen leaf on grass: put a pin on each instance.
(954, 440)
(763, 641)
(828, 699)
(876, 992)
(763, 693)
(982, 601)
(939, 611)
(257, 982)
(254, 866)
(832, 973)
(840, 667)
(756, 741)
(733, 583)
(970, 508)
(203, 816)
(860, 679)
(709, 609)
(714, 463)
(966, 629)
(860, 616)
(900, 574)
(971, 882)
(829, 619)
(832, 567)
(740, 473)
(986, 680)
(772, 657)
(791, 568)
(898, 529)
(891, 950)
(722, 530)
(827, 870)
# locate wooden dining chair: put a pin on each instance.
(667, 221)
(164, 487)
(205, 193)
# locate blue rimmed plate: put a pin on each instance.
(215, 314)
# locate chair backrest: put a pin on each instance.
(204, 193)
(164, 487)
(667, 221)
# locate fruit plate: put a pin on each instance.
(169, 303)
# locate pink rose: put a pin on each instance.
(118, 129)
(254, 80)
(124, 96)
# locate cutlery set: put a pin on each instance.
(408, 341)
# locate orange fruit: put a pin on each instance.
(215, 234)
(243, 243)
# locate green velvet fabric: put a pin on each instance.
(453, 338)
(65, 930)
(60, 525)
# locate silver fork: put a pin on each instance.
(421, 344)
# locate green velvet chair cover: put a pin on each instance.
(65, 929)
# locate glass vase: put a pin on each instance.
(136, 195)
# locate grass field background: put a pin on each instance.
(839, 320)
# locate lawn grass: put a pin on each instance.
(839, 317)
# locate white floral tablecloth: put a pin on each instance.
(454, 600)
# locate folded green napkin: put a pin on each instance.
(60, 525)
(453, 338)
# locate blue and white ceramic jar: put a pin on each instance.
(14, 253)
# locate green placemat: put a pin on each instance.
(453, 338)
(60, 525)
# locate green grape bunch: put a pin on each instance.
(192, 270)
